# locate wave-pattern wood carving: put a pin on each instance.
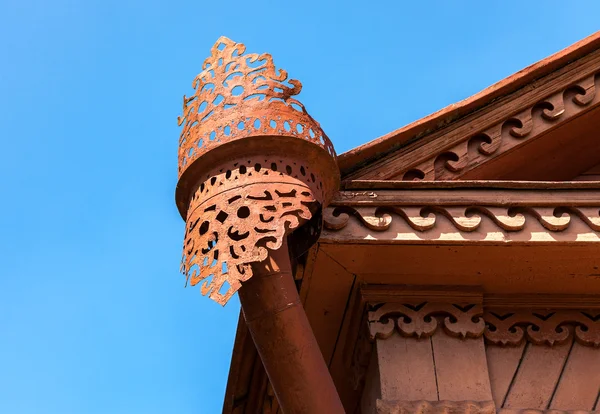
(450, 152)
(480, 223)
(512, 132)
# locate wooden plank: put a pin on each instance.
(580, 382)
(516, 269)
(406, 369)
(493, 268)
(341, 366)
(503, 362)
(532, 197)
(326, 301)
(465, 184)
(307, 272)
(595, 170)
(537, 376)
(541, 301)
(372, 389)
(588, 177)
(461, 368)
(422, 293)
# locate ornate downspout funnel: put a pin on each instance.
(253, 167)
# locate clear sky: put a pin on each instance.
(94, 317)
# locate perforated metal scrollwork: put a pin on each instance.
(253, 167)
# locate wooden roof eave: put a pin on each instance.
(464, 212)
(508, 100)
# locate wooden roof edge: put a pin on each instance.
(355, 158)
(351, 185)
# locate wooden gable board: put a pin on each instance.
(544, 120)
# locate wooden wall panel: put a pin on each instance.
(461, 368)
(407, 369)
(503, 362)
(537, 376)
(326, 301)
(372, 389)
(579, 384)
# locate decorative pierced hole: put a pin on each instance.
(237, 90)
(243, 212)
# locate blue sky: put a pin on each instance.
(94, 317)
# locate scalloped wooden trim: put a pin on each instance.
(450, 152)
(463, 321)
(532, 213)
(429, 223)
(542, 327)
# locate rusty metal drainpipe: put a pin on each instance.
(284, 339)
(254, 167)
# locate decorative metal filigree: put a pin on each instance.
(238, 213)
(239, 95)
(253, 166)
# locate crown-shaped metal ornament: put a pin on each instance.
(253, 167)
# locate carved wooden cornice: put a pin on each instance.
(505, 327)
(542, 327)
(420, 321)
(435, 407)
(539, 213)
(512, 121)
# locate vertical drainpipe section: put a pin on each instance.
(255, 167)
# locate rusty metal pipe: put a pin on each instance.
(284, 339)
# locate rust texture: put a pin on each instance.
(253, 167)
(284, 340)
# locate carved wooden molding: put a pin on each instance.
(499, 327)
(420, 321)
(511, 121)
(458, 215)
(528, 124)
(461, 223)
(542, 327)
(435, 407)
